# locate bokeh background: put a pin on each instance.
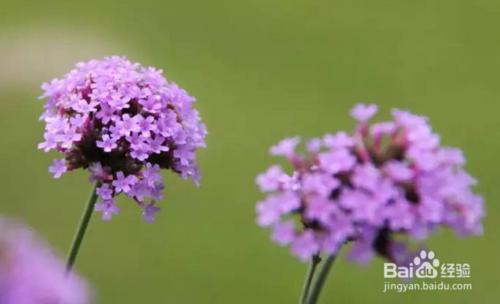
(261, 70)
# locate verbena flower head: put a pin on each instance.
(31, 274)
(123, 122)
(376, 186)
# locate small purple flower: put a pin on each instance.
(106, 113)
(68, 137)
(284, 233)
(49, 143)
(314, 145)
(146, 125)
(378, 186)
(149, 212)
(136, 142)
(152, 103)
(271, 179)
(140, 191)
(118, 101)
(383, 128)
(156, 191)
(398, 171)
(337, 160)
(108, 208)
(105, 192)
(30, 273)
(269, 212)
(124, 183)
(58, 167)
(158, 145)
(151, 175)
(339, 140)
(107, 143)
(320, 209)
(84, 107)
(127, 124)
(286, 147)
(305, 245)
(124, 122)
(141, 153)
(78, 120)
(363, 113)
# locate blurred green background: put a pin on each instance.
(261, 70)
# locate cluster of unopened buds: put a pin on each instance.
(123, 122)
(376, 186)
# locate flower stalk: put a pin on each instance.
(82, 228)
(315, 260)
(320, 280)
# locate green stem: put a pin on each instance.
(321, 279)
(80, 232)
(310, 274)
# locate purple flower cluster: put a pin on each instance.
(123, 122)
(377, 186)
(31, 274)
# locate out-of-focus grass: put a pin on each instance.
(261, 70)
